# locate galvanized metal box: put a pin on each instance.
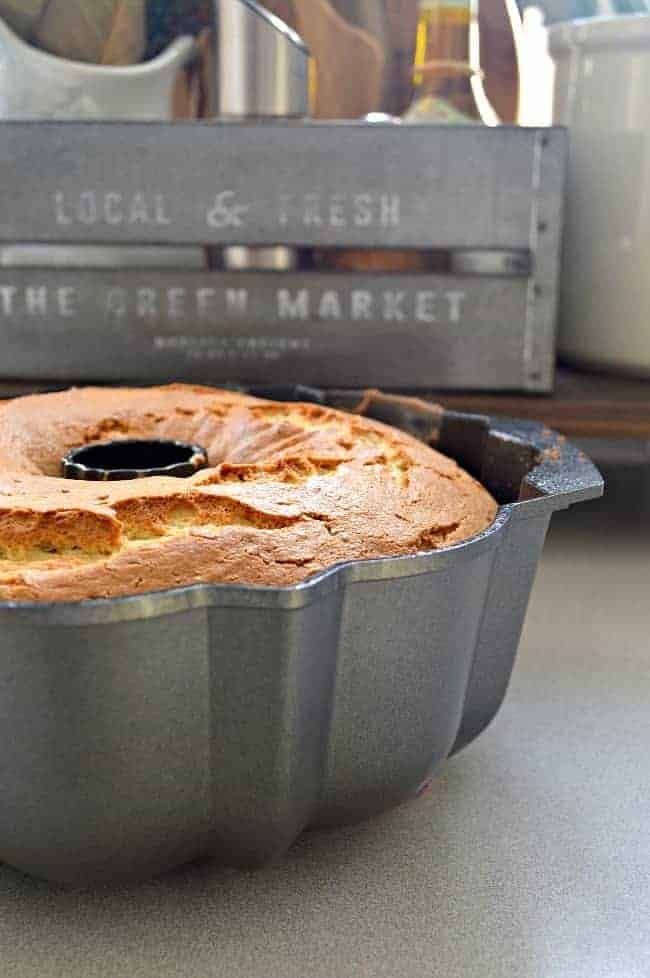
(472, 192)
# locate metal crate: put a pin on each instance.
(469, 191)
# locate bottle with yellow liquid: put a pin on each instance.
(447, 72)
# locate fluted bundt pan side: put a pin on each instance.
(138, 733)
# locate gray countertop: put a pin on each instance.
(530, 856)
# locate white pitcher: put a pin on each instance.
(37, 85)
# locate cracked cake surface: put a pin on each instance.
(290, 489)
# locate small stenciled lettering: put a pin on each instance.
(87, 209)
(338, 217)
(36, 300)
(67, 299)
(116, 303)
(390, 211)
(283, 209)
(329, 306)
(211, 305)
(205, 302)
(61, 214)
(39, 301)
(146, 306)
(176, 303)
(235, 348)
(226, 211)
(91, 208)
(7, 296)
(425, 306)
(139, 214)
(113, 208)
(455, 300)
(361, 304)
(237, 302)
(339, 210)
(294, 306)
(311, 211)
(363, 210)
(394, 307)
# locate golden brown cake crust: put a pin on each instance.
(290, 490)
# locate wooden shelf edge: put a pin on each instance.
(584, 405)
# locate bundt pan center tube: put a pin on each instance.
(133, 459)
(220, 720)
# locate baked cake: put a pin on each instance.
(290, 489)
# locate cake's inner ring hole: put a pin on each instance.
(130, 458)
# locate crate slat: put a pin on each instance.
(295, 183)
(276, 183)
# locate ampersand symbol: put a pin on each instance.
(225, 212)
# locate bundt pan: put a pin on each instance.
(220, 721)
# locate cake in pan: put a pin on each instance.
(288, 490)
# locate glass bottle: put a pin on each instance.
(447, 75)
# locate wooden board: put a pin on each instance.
(583, 405)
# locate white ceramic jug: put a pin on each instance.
(37, 85)
(602, 92)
